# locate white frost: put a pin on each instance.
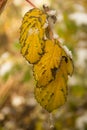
(31, 31)
(45, 38)
(51, 12)
(68, 52)
(55, 36)
(45, 25)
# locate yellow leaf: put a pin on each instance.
(45, 69)
(32, 34)
(69, 62)
(54, 94)
(52, 64)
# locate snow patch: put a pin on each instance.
(45, 25)
(17, 101)
(6, 67)
(31, 31)
(79, 17)
(6, 63)
(81, 57)
(55, 36)
(81, 121)
(68, 52)
(51, 12)
(45, 38)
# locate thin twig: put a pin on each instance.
(2, 5)
(31, 3)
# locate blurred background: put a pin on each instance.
(18, 107)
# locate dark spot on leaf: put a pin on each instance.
(66, 59)
(42, 99)
(54, 72)
(62, 90)
(52, 94)
(43, 72)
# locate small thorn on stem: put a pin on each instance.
(31, 3)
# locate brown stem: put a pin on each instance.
(2, 5)
(31, 3)
(50, 32)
